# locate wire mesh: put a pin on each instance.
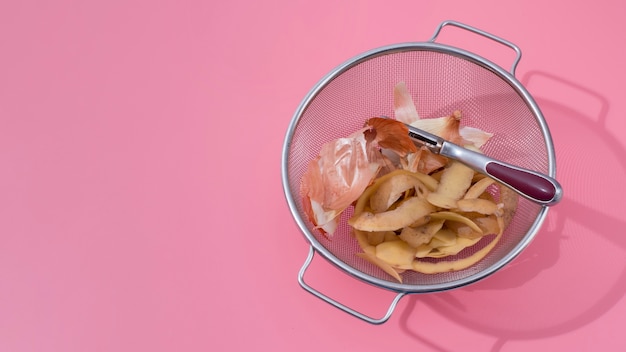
(440, 82)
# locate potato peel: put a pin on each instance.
(416, 236)
(381, 264)
(404, 215)
(452, 216)
(454, 265)
(455, 181)
(414, 227)
(482, 206)
(478, 188)
(392, 189)
(398, 254)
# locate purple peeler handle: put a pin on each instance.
(533, 185)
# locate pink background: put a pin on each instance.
(141, 205)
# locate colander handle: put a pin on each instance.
(341, 306)
(518, 51)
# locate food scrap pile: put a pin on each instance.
(413, 210)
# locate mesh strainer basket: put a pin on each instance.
(442, 78)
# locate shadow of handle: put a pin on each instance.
(576, 93)
(343, 307)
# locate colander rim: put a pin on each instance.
(390, 49)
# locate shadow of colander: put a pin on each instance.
(574, 271)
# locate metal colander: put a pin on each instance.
(442, 79)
